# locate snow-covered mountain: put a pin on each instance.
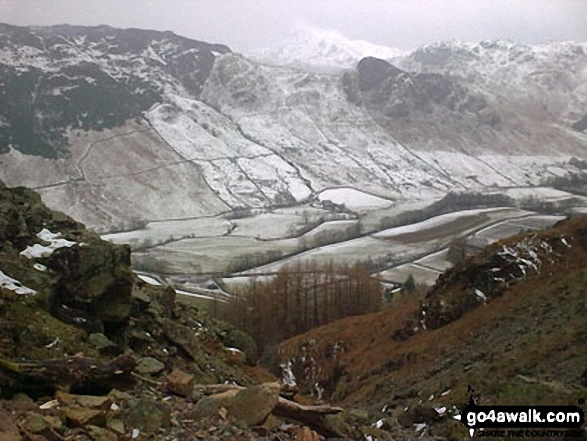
(550, 79)
(321, 51)
(121, 126)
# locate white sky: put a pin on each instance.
(248, 24)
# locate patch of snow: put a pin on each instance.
(191, 294)
(38, 251)
(287, 375)
(53, 343)
(49, 405)
(481, 296)
(11, 284)
(419, 427)
(440, 410)
(433, 222)
(379, 424)
(39, 267)
(149, 280)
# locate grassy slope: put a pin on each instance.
(528, 345)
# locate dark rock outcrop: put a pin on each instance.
(96, 279)
(87, 282)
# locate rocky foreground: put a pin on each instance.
(90, 352)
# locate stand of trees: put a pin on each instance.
(300, 298)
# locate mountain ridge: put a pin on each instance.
(192, 129)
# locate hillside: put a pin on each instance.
(118, 127)
(509, 322)
(88, 351)
(547, 79)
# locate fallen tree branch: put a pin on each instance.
(67, 373)
(311, 416)
(213, 389)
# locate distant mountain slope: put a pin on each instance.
(548, 80)
(67, 77)
(510, 323)
(121, 126)
(388, 131)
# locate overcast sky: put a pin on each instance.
(248, 24)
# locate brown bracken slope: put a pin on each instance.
(510, 322)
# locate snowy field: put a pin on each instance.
(158, 232)
(260, 241)
(218, 254)
(401, 273)
(261, 223)
(459, 222)
(437, 261)
(542, 193)
(426, 269)
(509, 228)
(353, 199)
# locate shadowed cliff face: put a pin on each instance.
(419, 107)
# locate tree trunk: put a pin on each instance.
(75, 372)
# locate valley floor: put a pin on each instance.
(229, 250)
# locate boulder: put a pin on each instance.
(101, 434)
(104, 345)
(96, 279)
(115, 425)
(92, 278)
(180, 383)
(235, 338)
(78, 416)
(212, 405)
(235, 356)
(87, 401)
(183, 337)
(417, 415)
(253, 404)
(35, 423)
(147, 415)
(149, 366)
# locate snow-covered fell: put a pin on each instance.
(136, 125)
(320, 50)
(549, 78)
